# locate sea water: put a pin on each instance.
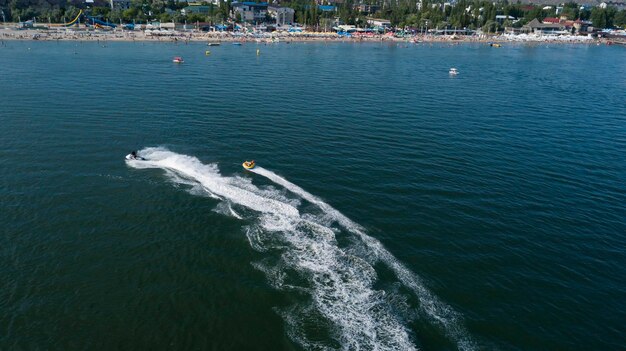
(393, 206)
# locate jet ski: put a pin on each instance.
(133, 156)
(249, 164)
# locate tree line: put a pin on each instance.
(471, 14)
(63, 11)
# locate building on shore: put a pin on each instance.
(551, 20)
(120, 4)
(537, 27)
(552, 25)
(379, 23)
(200, 9)
(366, 9)
(281, 14)
(619, 5)
(327, 8)
(502, 18)
(251, 12)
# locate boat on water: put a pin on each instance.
(178, 59)
(453, 71)
(248, 164)
(213, 44)
(134, 157)
(236, 43)
(495, 45)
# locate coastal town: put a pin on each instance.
(336, 20)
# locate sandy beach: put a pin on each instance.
(65, 34)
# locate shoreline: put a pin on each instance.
(63, 34)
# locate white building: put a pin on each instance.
(250, 11)
(383, 23)
(282, 15)
(120, 4)
(618, 5)
(501, 18)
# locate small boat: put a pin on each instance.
(236, 43)
(178, 59)
(453, 71)
(249, 164)
(495, 45)
(213, 44)
(134, 157)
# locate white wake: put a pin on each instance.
(338, 283)
(441, 314)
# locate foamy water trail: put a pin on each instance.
(439, 313)
(342, 302)
(209, 177)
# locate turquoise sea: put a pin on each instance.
(394, 207)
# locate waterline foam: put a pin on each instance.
(303, 255)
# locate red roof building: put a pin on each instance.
(552, 20)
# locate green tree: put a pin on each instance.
(224, 9)
(571, 11)
(412, 20)
(536, 12)
(490, 26)
(101, 11)
(598, 17)
(165, 17)
(584, 14)
(620, 19)
(610, 12)
(196, 17)
(115, 16)
(130, 14)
